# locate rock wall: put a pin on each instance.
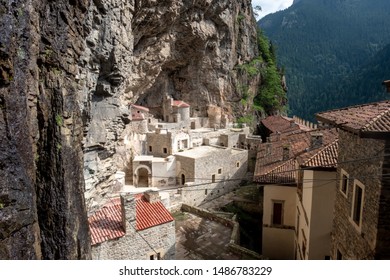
(42, 206)
(138, 51)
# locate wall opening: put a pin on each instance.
(183, 179)
(143, 178)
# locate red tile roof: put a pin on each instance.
(276, 123)
(282, 173)
(272, 167)
(282, 124)
(151, 214)
(106, 224)
(325, 157)
(373, 117)
(180, 104)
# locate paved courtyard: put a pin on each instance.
(201, 239)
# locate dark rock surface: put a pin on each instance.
(42, 207)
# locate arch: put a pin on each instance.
(142, 177)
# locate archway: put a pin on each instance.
(143, 178)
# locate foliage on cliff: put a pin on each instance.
(270, 96)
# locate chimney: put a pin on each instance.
(128, 205)
(316, 140)
(152, 196)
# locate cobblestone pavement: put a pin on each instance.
(201, 239)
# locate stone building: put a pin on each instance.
(278, 165)
(134, 227)
(206, 172)
(361, 226)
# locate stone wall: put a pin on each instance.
(202, 170)
(139, 245)
(362, 159)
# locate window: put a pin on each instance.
(357, 203)
(344, 180)
(213, 178)
(220, 171)
(165, 150)
(237, 164)
(205, 192)
(150, 148)
(277, 213)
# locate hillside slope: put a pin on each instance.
(321, 43)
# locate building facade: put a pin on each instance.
(361, 226)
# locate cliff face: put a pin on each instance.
(42, 208)
(137, 52)
(68, 70)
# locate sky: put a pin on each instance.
(271, 6)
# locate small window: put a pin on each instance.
(150, 148)
(159, 256)
(277, 213)
(165, 150)
(151, 257)
(205, 192)
(344, 181)
(220, 171)
(357, 203)
(237, 164)
(213, 178)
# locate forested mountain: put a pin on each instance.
(334, 52)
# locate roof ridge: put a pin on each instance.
(280, 165)
(320, 151)
(374, 120)
(354, 106)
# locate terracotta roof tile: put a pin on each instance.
(151, 214)
(373, 117)
(273, 167)
(282, 124)
(180, 104)
(325, 157)
(283, 173)
(276, 123)
(106, 224)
